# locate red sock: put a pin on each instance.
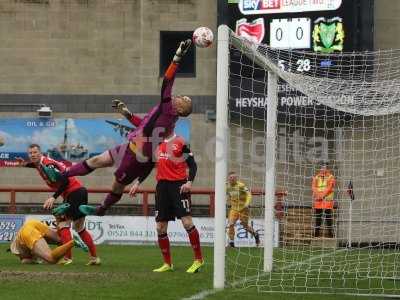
(163, 243)
(195, 242)
(87, 238)
(65, 236)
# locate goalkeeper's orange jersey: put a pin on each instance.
(239, 195)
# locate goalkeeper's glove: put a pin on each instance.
(121, 107)
(181, 51)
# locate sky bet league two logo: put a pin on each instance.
(254, 7)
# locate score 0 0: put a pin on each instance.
(290, 33)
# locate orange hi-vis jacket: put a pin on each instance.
(323, 185)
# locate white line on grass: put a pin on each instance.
(203, 294)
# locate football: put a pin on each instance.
(2, 141)
(203, 37)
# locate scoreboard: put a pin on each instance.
(290, 33)
(318, 25)
(310, 27)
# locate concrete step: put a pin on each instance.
(299, 234)
(297, 226)
(295, 241)
(324, 242)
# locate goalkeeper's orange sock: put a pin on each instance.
(65, 236)
(60, 251)
(163, 243)
(194, 238)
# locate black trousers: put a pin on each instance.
(319, 214)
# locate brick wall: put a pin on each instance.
(97, 47)
(387, 24)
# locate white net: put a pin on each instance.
(341, 109)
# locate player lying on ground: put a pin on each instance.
(134, 160)
(173, 197)
(74, 195)
(30, 243)
(239, 197)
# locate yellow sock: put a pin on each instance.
(60, 251)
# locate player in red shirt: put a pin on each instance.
(174, 184)
(74, 195)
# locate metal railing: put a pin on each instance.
(12, 208)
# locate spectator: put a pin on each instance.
(323, 185)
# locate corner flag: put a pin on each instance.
(350, 191)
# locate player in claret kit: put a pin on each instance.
(74, 195)
(174, 184)
(134, 160)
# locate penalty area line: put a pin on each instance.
(203, 294)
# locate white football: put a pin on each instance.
(203, 37)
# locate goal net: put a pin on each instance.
(339, 109)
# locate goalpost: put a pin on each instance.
(280, 114)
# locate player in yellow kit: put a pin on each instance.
(239, 198)
(31, 242)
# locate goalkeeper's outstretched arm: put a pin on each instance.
(121, 108)
(170, 74)
(183, 105)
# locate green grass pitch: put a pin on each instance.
(126, 273)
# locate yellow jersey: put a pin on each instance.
(28, 235)
(239, 196)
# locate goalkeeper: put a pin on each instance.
(134, 160)
(30, 243)
(239, 197)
